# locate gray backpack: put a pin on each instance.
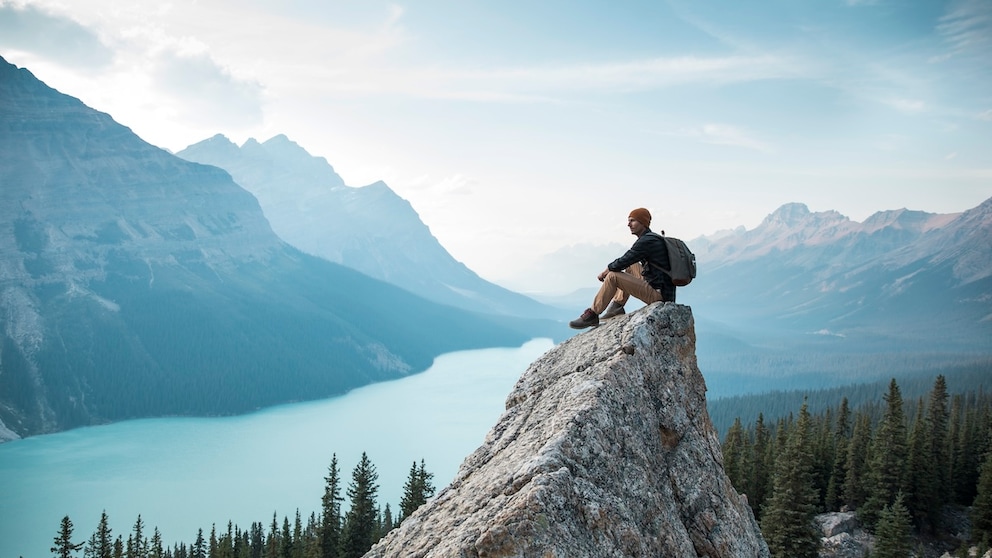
(681, 260)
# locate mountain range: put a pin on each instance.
(370, 229)
(136, 283)
(817, 296)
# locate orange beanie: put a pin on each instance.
(642, 216)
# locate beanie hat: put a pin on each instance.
(642, 216)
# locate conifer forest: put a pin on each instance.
(331, 533)
(901, 465)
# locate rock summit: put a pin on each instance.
(605, 450)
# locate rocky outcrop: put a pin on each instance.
(841, 536)
(605, 449)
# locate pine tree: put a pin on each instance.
(298, 541)
(212, 548)
(787, 524)
(981, 508)
(272, 546)
(919, 482)
(824, 447)
(257, 540)
(101, 544)
(855, 478)
(887, 465)
(155, 550)
(330, 530)
(361, 521)
(842, 436)
(137, 544)
(63, 545)
(199, 549)
(762, 465)
(894, 531)
(286, 540)
(928, 488)
(386, 523)
(733, 455)
(417, 489)
(938, 418)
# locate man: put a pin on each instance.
(638, 273)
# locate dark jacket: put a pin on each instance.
(652, 253)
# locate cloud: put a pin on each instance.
(205, 92)
(634, 75)
(58, 38)
(455, 184)
(554, 83)
(985, 115)
(722, 134)
(911, 106)
(967, 28)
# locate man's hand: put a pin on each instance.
(602, 275)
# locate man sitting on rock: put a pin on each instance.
(638, 273)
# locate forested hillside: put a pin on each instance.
(334, 532)
(887, 459)
(781, 402)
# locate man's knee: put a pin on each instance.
(612, 277)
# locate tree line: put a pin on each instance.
(331, 533)
(897, 464)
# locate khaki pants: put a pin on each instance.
(620, 285)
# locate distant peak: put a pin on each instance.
(216, 141)
(793, 208)
(797, 214)
(789, 214)
(218, 144)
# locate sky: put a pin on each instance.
(520, 128)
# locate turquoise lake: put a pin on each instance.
(183, 474)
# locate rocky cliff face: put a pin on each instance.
(605, 449)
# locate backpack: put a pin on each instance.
(681, 260)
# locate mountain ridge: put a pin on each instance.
(368, 228)
(135, 283)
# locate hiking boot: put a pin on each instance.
(587, 319)
(613, 310)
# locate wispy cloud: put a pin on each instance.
(910, 106)
(550, 83)
(722, 134)
(967, 28)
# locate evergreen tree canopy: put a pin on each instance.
(981, 510)
(894, 531)
(63, 546)
(787, 524)
(361, 521)
(887, 462)
(330, 534)
(417, 490)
